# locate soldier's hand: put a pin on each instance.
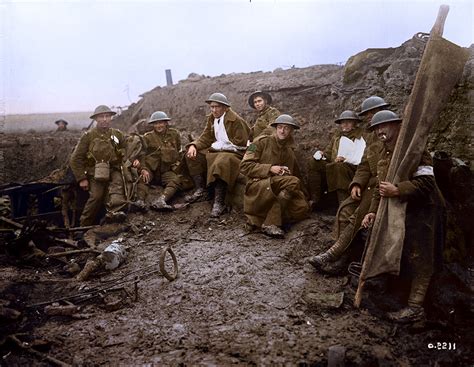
(279, 170)
(388, 190)
(145, 176)
(192, 152)
(355, 192)
(136, 163)
(368, 220)
(340, 159)
(84, 184)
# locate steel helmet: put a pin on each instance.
(347, 115)
(102, 109)
(219, 98)
(57, 122)
(287, 120)
(267, 97)
(158, 116)
(372, 103)
(382, 117)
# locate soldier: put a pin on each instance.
(423, 222)
(274, 194)
(62, 125)
(334, 168)
(261, 101)
(424, 212)
(161, 160)
(352, 210)
(97, 166)
(218, 151)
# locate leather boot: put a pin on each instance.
(322, 259)
(138, 206)
(407, 315)
(218, 207)
(335, 251)
(273, 231)
(160, 204)
(200, 192)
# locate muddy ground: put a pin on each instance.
(240, 298)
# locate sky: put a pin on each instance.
(64, 56)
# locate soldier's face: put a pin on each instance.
(62, 126)
(347, 125)
(259, 103)
(217, 109)
(160, 126)
(367, 117)
(283, 131)
(387, 132)
(104, 120)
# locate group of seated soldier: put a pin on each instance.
(117, 170)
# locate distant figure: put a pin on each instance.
(62, 125)
(261, 101)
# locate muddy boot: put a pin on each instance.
(160, 204)
(200, 192)
(273, 231)
(115, 217)
(138, 206)
(336, 267)
(218, 207)
(322, 259)
(408, 314)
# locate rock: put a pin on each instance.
(336, 356)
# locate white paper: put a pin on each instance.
(352, 151)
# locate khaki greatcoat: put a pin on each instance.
(261, 205)
(262, 124)
(220, 164)
(424, 223)
(161, 160)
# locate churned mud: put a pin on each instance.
(239, 298)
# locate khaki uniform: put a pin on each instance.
(261, 205)
(97, 146)
(424, 224)
(263, 121)
(161, 160)
(220, 164)
(328, 174)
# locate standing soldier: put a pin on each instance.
(334, 168)
(161, 160)
(97, 166)
(423, 240)
(217, 152)
(261, 101)
(274, 195)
